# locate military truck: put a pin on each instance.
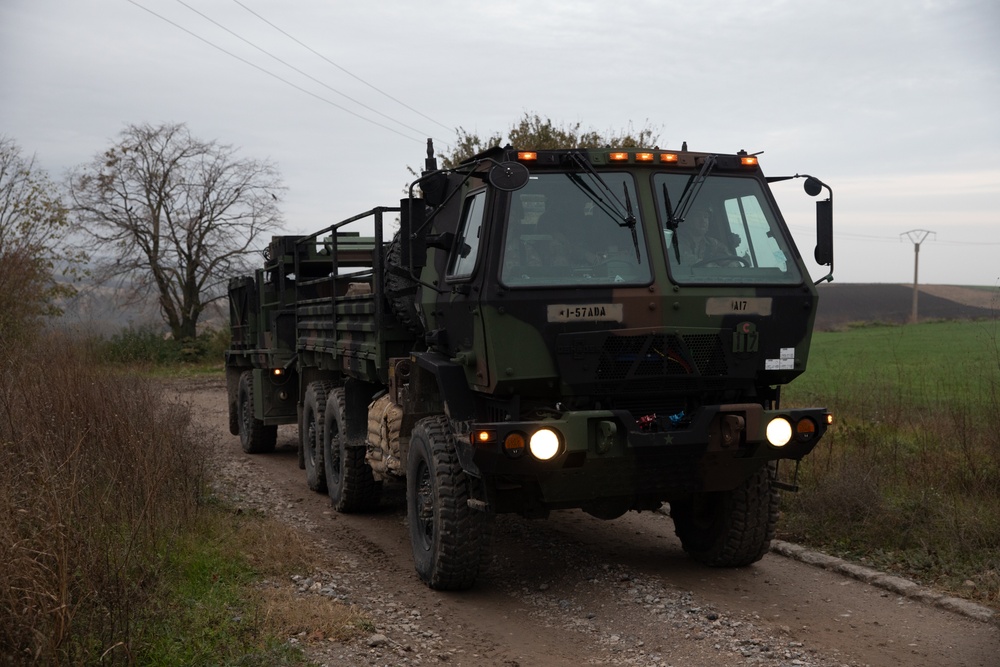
(596, 329)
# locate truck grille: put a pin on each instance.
(660, 355)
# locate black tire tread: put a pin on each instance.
(400, 289)
(461, 534)
(743, 526)
(313, 409)
(359, 491)
(256, 437)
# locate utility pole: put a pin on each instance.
(917, 236)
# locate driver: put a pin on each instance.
(696, 244)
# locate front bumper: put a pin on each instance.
(607, 453)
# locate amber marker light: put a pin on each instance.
(514, 444)
(805, 429)
(668, 157)
(483, 437)
(278, 372)
(618, 157)
(748, 161)
(829, 420)
(527, 156)
(643, 157)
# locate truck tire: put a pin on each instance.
(349, 479)
(401, 289)
(448, 537)
(729, 528)
(256, 437)
(311, 434)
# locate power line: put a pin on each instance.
(853, 236)
(273, 75)
(296, 69)
(317, 53)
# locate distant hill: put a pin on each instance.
(840, 304)
(843, 303)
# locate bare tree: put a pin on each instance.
(33, 249)
(170, 215)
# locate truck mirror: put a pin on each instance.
(824, 232)
(813, 186)
(508, 176)
(412, 239)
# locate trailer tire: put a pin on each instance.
(256, 437)
(311, 434)
(449, 538)
(349, 479)
(729, 528)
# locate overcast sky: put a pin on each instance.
(895, 103)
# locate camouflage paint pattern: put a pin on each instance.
(656, 386)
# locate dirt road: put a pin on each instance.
(574, 590)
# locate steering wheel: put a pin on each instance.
(723, 258)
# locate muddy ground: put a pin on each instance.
(574, 590)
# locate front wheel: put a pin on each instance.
(448, 537)
(729, 528)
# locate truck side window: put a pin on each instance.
(466, 250)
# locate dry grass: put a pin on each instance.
(288, 613)
(96, 476)
(908, 479)
(274, 549)
(111, 552)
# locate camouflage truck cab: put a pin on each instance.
(595, 329)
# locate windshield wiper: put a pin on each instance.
(672, 223)
(630, 219)
(622, 220)
(691, 189)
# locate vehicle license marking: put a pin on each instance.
(586, 312)
(742, 305)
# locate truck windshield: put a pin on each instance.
(562, 230)
(730, 234)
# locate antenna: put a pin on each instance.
(917, 236)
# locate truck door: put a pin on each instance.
(458, 307)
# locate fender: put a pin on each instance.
(455, 395)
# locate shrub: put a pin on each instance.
(148, 345)
(97, 476)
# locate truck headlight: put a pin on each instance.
(779, 432)
(544, 444)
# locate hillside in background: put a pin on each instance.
(841, 304)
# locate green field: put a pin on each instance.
(908, 478)
(927, 365)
